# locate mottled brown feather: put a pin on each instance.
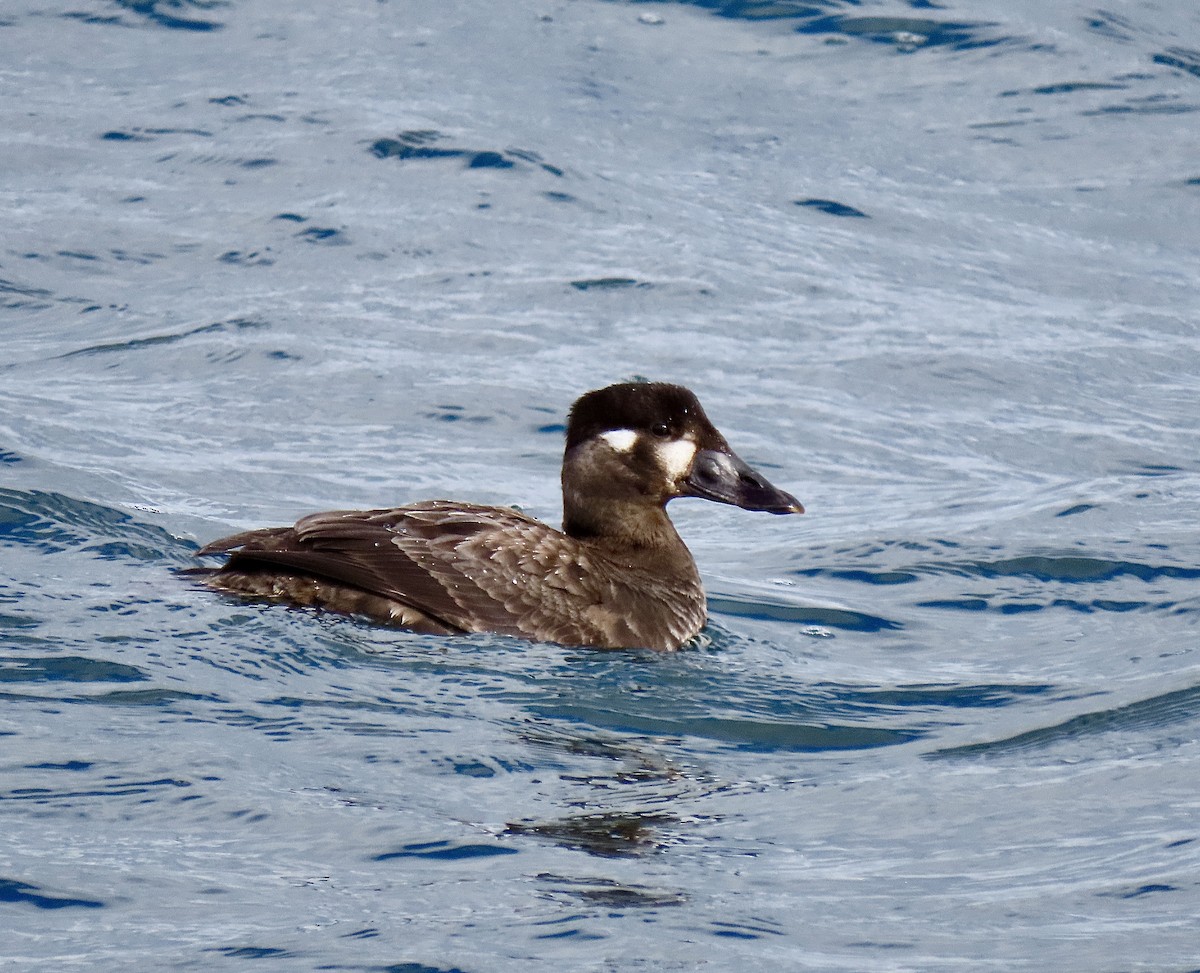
(455, 564)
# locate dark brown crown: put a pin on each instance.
(640, 406)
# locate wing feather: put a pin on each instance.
(412, 555)
(473, 569)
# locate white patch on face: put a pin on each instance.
(622, 440)
(676, 457)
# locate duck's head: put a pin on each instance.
(648, 443)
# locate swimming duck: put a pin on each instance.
(616, 576)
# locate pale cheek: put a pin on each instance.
(676, 457)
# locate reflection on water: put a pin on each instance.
(605, 893)
(606, 835)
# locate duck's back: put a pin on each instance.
(443, 567)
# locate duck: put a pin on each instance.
(616, 576)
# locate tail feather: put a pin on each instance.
(264, 538)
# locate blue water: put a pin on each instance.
(933, 268)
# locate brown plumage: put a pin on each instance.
(617, 576)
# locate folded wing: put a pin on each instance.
(453, 563)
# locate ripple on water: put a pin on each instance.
(698, 706)
(899, 32)
(1156, 712)
(52, 523)
(68, 668)
(427, 144)
(22, 893)
(446, 851)
(185, 15)
(819, 615)
(93, 782)
(1072, 568)
(1015, 584)
(139, 344)
(908, 33)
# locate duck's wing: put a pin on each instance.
(451, 563)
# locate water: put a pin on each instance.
(933, 269)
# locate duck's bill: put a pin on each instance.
(724, 477)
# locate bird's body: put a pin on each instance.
(618, 575)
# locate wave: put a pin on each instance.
(1156, 712)
(53, 523)
(1022, 582)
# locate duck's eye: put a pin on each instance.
(661, 430)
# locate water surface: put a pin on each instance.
(932, 268)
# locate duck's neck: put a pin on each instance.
(626, 528)
(610, 509)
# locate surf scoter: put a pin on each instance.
(616, 576)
